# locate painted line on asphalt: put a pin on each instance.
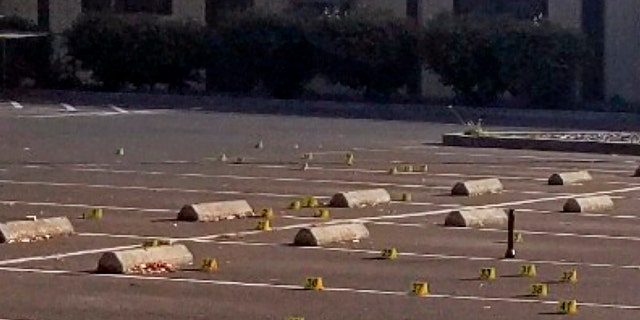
(265, 178)
(68, 108)
(82, 205)
(66, 255)
(154, 189)
(326, 289)
(16, 105)
(75, 114)
(118, 109)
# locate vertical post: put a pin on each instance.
(511, 251)
(4, 63)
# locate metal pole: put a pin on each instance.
(511, 251)
(4, 63)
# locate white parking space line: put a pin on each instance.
(326, 289)
(68, 108)
(16, 105)
(118, 109)
(154, 189)
(83, 206)
(65, 255)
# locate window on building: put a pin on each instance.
(319, 7)
(143, 6)
(96, 5)
(161, 7)
(43, 15)
(412, 9)
(521, 9)
(217, 9)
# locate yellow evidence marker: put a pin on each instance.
(393, 170)
(406, 197)
(120, 152)
(528, 270)
(517, 237)
(295, 205)
(570, 276)
(313, 283)
(407, 168)
(488, 273)
(209, 265)
(390, 253)
(323, 214)
(95, 213)
(264, 225)
(539, 289)
(267, 213)
(420, 289)
(294, 318)
(155, 243)
(568, 307)
(310, 202)
(350, 158)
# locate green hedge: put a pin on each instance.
(367, 51)
(137, 49)
(482, 59)
(255, 48)
(25, 58)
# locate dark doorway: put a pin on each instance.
(593, 27)
(43, 15)
(217, 9)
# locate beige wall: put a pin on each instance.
(27, 9)
(398, 7)
(190, 9)
(622, 49)
(567, 13)
(429, 9)
(271, 5)
(63, 13)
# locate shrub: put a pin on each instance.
(254, 48)
(137, 49)
(26, 58)
(483, 58)
(365, 50)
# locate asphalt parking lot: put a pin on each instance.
(57, 161)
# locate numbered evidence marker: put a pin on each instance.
(295, 205)
(350, 158)
(390, 253)
(267, 213)
(209, 265)
(539, 289)
(517, 237)
(488, 273)
(570, 276)
(568, 307)
(323, 214)
(528, 270)
(314, 283)
(155, 243)
(95, 213)
(420, 289)
(264, 225)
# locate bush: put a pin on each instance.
(26, 58)
(365, 50)
(137, 49)
(482, 59)
(254, 48)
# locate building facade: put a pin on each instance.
(613, 27)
